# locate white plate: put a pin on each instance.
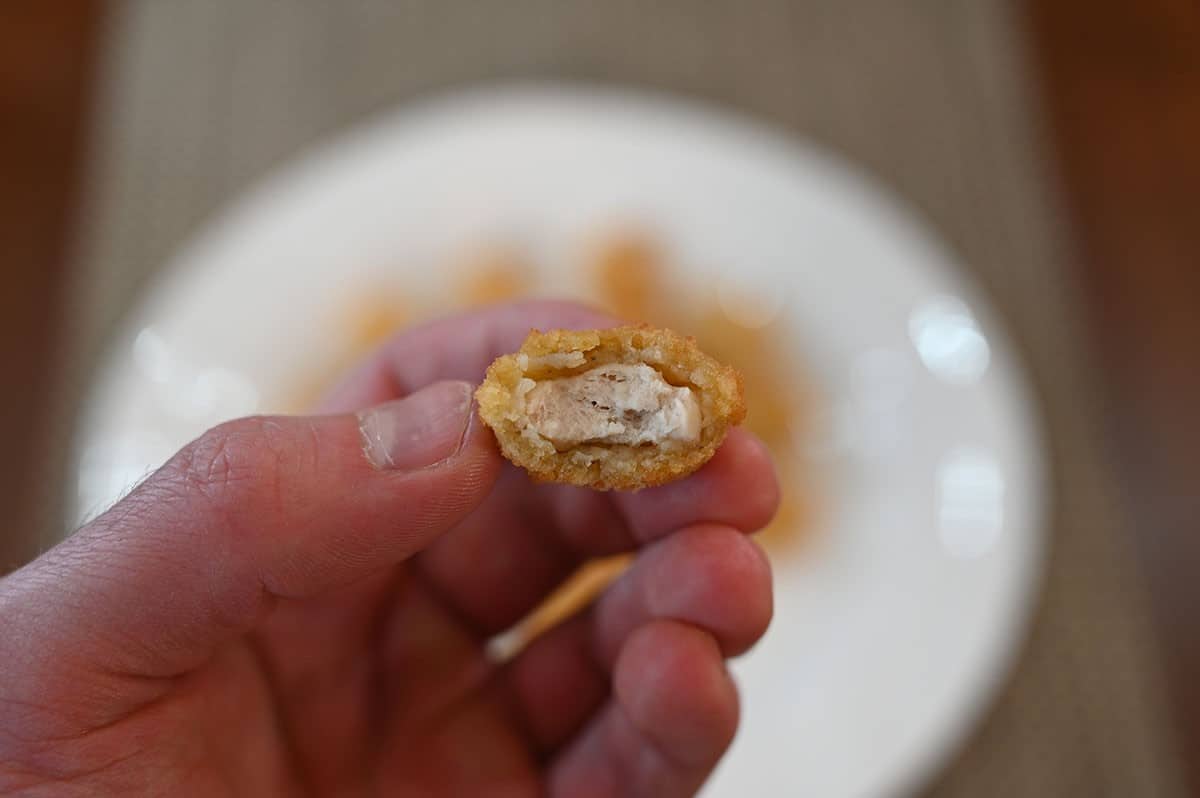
(894, 627)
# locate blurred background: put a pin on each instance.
(1051, 145)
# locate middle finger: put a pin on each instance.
(499, 564)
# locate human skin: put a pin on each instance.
(300, 606)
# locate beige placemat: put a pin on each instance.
(202, 96)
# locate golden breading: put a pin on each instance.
(625, 408)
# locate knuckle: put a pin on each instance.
(737, 583)
(234, 461)
(726, 712)
(761, 606)
(750, 580)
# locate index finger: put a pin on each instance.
(458, 347)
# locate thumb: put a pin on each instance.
(254, 510)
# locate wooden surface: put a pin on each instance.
(197, 98)
(46, 69)
(1121, 85)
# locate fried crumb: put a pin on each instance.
(494, 275)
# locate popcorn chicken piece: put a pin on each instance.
(623, 408)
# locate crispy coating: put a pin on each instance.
(564, 353)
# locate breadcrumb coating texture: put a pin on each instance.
(565, 353)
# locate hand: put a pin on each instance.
(300, 606)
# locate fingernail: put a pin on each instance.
(419, 430)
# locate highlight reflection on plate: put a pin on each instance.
(894, 625)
